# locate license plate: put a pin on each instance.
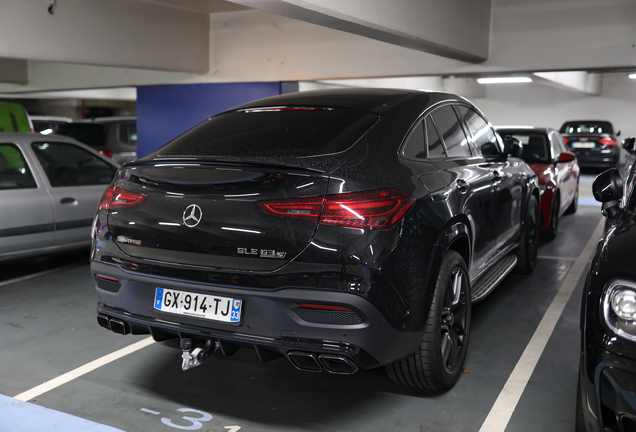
(206, 306)
(583, 144)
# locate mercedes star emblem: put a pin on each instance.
(192, 215)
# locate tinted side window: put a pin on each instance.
(127, 133)
(14, 171)
(436, 149)
(414, 147)
(452, 133)
(483, 135)
(70, 165)
(91, 134)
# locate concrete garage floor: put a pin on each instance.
(48, 328)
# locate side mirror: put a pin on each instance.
(513, 146)
(608, 189)
(566, 157)
(618, 133)
(628, 143)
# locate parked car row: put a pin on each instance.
(345, 230)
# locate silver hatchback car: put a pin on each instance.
(49, 190)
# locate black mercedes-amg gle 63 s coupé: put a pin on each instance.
(343, 229)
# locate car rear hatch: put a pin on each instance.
(202, 193)
(204, 214)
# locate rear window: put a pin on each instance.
(91, 134)
(587, 127)
(273, 132)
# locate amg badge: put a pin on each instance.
(263, 253)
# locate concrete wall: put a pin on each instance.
(166, 111)
(539, 105)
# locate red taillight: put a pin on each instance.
(607, 141)
(324, 307)
(375, 209)
(565, 140)
(106, 153)
(304, 209)
(117, 198)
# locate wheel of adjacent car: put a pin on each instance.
(438, 362)
(579, 419)
(529, 241)
(575, 203)
(553, 224)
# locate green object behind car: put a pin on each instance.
(13, 118)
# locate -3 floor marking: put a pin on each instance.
(195, 422)
(501, 412)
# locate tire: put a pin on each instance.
(579, 425)
(553, 224)
(529, 242)
(575, 203)
(438, 362)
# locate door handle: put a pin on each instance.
(68, 201)
(462, 186)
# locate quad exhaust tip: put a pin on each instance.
(312, 362)
(113, 324)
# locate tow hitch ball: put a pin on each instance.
(194, 357)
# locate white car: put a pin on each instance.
(50, 187)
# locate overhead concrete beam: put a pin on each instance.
(412, 83)
(119, 33)
(456, 29)
(577, 81)
(13, 71)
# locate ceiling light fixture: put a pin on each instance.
(504, 80)
(632, 76)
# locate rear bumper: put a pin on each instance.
(596, 159)
(609, 398)
(271, 321)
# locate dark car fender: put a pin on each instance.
(457, 236)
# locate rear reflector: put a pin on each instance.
(117, 198)
(375, 209)
(324, 307)
(607, 141)
(110, 278)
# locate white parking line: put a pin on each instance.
(88, 367)
(30, 276)
(501, 412)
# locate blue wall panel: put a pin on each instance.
(166, 111)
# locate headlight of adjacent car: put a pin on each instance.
(619, 308)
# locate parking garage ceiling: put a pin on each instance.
(96, 44)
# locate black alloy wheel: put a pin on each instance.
(437, 364)
(575, 203)
(529, 241)
(454, 324)
(553, 224)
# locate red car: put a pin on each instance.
(557, 171)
